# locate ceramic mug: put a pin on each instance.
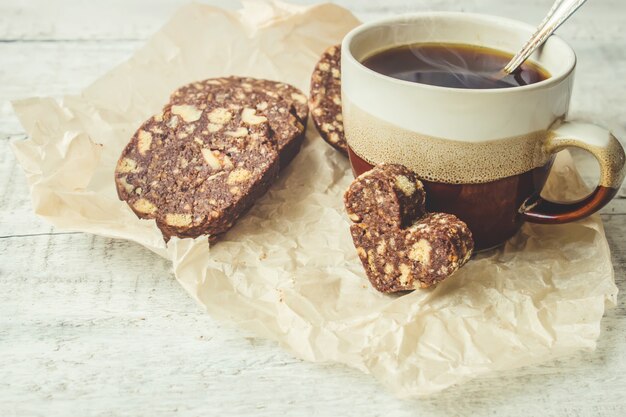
(483, 155)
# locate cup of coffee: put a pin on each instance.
(424, 91)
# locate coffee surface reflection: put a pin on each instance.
(453, 66)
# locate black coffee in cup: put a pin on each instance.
(453, 65)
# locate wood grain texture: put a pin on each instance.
(94, 326)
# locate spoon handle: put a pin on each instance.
(561, 10)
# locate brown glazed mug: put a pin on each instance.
(483, 155)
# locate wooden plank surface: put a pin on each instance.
(94, 326)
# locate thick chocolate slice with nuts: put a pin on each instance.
(196, 168)
(284, 106)
(325, 99)
(400, 245)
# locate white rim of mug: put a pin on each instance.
(515, 24)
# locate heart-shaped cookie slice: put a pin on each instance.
(400, 245)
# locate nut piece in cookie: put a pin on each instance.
(196, 169)
(325, 99)
(400, 245)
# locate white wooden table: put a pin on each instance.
(94, 326)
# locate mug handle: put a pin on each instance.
(610, 155)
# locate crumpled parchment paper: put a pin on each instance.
(288, 270)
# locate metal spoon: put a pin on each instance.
(561, 10)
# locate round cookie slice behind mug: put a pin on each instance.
(325, 99)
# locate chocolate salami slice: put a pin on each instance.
(401, 246)
(391, 195)
(196, 168)
(325, 99)
(284, 106)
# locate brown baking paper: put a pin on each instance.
(288, 271)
